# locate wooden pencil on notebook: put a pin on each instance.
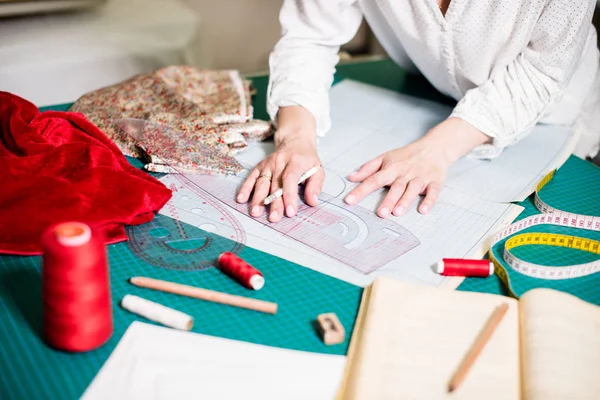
(205, 294)
(484, 336)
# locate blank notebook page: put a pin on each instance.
(561, 347)
(415, 337)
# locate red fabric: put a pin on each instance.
(57, 166)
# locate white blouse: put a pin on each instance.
(510, 64)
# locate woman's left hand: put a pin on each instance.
(419, 168)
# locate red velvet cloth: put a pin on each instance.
(57, 166)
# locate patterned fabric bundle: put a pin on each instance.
(178, 118)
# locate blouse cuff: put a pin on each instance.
(480, 122)
(287, 95)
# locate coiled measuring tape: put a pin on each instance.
(548, 216)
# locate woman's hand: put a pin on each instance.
(419, 168)
(295, 153)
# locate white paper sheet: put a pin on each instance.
(368, 121)
(152, 362)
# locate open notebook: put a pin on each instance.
(409, 340)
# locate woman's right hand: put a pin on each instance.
(295, 153)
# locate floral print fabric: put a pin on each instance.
(178, 118)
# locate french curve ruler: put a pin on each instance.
(548, 216)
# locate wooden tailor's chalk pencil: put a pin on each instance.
(205, 294)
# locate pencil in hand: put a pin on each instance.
(484, 336)
(303, 178)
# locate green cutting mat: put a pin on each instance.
(575, 188)
(31, 370)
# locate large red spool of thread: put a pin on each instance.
(75, 288)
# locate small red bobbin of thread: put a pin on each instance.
(241, 271)
(75, 288)
(463, 267)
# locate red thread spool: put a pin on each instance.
(462, 267)
(75, 288)
(241, 271)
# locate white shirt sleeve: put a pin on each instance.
(514, 99)
(302, 63)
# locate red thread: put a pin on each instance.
(241, 271)
(75, 288)
(463, 267)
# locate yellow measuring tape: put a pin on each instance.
(548, 216)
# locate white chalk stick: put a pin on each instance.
(279, 193)
(157, 312)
